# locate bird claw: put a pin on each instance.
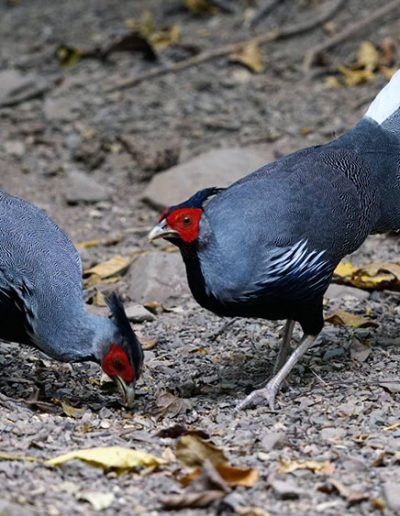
(260, 396)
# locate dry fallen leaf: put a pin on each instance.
(368, 56)
(250, 57)
(192, 451)
(373, 276)
(326, 468)
(99, 501)
(191, 500)
(98, 299)
(173, 432)
(370, 61)
(17, 456)
(355, 77)
(87, 244)
(232, 476)
(360, 350)
(393, 426)
(251, 511)
(72, 411)
(111, 458)
(148, 343)
(114, 266)
(342, 318)
(158, 39)
(168, 405)
(201, 6)
(352, 497)
(332, 81)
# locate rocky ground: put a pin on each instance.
(95, 158)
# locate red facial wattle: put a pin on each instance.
(185, 221)
(116, 363)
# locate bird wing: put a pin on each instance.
(280, 231)
(16, 316)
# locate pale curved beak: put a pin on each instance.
(162, 230)
(127, 391)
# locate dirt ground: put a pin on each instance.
(336, 410)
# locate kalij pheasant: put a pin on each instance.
(41, 301)
(267, 245)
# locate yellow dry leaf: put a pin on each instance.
(192, 451)
(115, 458)
(345, 270)
(153, 306)
(387, 71)
(163, 39)
(68, 56)
(333, 81)
(158, 39)
(148, 343)
(326, 468)
(87, 243)
(251, 511)
(245, 477)
(72, 411)
(200, 6)
(393, 426)
(342, 318)
(112, 267)
(355, 77)
(231, 475)
(98, 298)
(145, 26)
(99, 501)
(305, 131)
(17, 456)
(368, 56)
(250, 57)
(371, 276)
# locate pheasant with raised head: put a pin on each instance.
(267, 245)
(41, 298)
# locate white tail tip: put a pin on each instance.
(387, 101)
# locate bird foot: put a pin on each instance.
(263, 396)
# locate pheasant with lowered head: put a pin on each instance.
(41, 298)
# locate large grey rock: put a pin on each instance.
(81, 188)
(159, 277)
(219, 167)
(138, 313)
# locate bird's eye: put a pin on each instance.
(119, 365)
(186, 220)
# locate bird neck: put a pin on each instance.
(76, 337)
(191, 257)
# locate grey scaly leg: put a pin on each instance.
(269, 392)
(284, 348)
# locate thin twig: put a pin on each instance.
(221, 329)
(313, 53)
(273, 35)
(264, 12)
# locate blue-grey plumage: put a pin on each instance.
(41, 297)
(267, 245)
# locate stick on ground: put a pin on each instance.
(313, 54)
(208, 55)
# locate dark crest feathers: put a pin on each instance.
(197, 200)
(130, 342)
